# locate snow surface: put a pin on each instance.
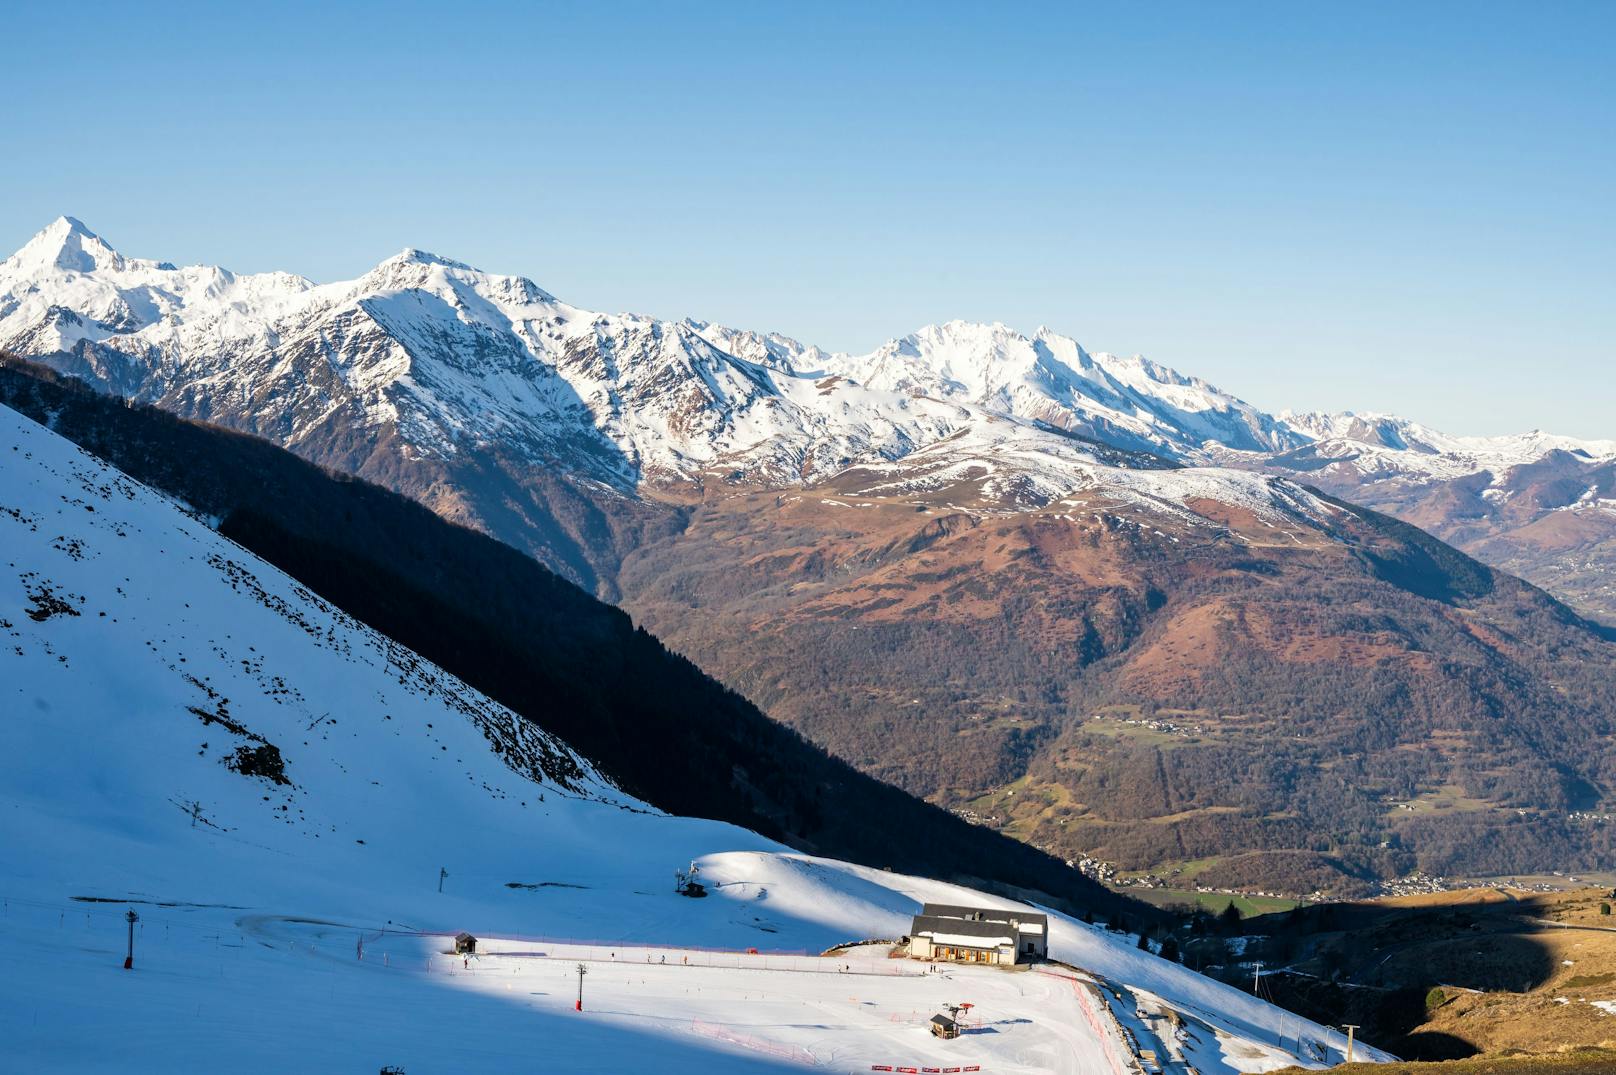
(140, 652)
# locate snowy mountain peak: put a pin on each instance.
(1386, 441)
(1382, 430)
(65, 244)
(422, 269)
(412, 255)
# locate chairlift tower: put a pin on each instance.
(687, 883)
(129, 960)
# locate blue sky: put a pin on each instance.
(1404, 207)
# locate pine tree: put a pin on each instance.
(1229, 919)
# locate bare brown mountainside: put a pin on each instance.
(1295, 707)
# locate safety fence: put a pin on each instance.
(1104, 1025)
(238, 926)
(608, 944)
(681, 956)
(330, 943)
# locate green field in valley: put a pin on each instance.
(1214, 902)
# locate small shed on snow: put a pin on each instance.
(944, 1027)
(465, 944)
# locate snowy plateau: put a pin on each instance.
(275, 790)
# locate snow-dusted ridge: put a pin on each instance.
(1387, 445)
(192, 734)
(454, 360)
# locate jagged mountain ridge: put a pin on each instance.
(453, 357)
(450, 384)
(568, 433)
(458, 356)
(1388, 432)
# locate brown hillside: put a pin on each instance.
(1452, 975)
(1351, 692)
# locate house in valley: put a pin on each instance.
(954, 934)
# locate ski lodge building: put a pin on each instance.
(942, 931)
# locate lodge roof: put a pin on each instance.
(981, 914)
(958, 927)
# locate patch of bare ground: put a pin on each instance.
(1485, 972)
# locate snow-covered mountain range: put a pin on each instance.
(455, 356)
(452, 357)
(274, 789)
(474, 381)
(1387, 444)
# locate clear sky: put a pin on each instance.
(1405, 207)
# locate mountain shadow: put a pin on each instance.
(1440, 976)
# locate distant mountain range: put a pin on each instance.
(467, 379)
(1537, 505)
(972, 561)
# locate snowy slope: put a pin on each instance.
(1023, 467)
(189, 733)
